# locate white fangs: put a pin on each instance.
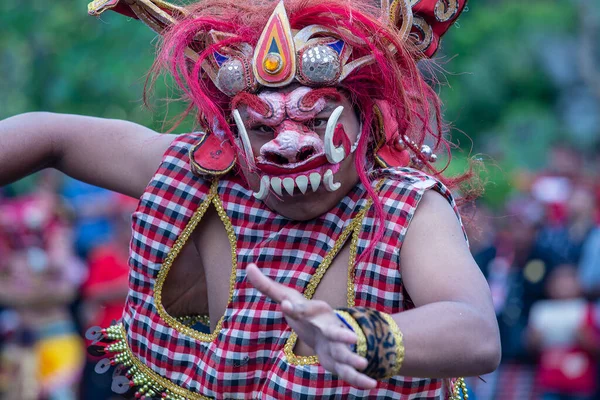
(276, 185)
(264, 189)
(245, 139)
(302, 183)
(288, 184)
(328, 182)
(334, 154)
(315, 181)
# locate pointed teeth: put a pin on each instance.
(315, 181)
(276, 185)
(328, 182)
(264, 189)
(302, 183)
(288, 184)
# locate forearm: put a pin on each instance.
(117, 155)
(26, 146)
(448, 339)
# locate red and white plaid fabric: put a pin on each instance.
(246, 360)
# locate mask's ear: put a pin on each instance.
(212, 156)
(388, 150)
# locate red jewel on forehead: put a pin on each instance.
(274, 61)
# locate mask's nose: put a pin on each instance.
(293, 143)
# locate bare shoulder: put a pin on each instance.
(435, 210)
(435, 259)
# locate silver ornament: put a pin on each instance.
(231, 77)
(320, 64)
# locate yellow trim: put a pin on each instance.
(361, 342)
(399, 345)
(151, 378)
(351, 296)
(213, 198)
(354, 227)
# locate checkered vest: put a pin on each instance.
(245, 357)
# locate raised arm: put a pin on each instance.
(114, 154)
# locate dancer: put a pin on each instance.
(304, 244)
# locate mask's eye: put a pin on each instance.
(319, 123)
(263, 129)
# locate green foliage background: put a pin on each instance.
(54, 57)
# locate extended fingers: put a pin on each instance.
(300, 308)
(269, 287)
(342, 354)
(338, 333)
(355, 378)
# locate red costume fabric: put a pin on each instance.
(246, 357)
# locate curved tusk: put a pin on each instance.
(334, 154)
(245, 139)
(330, 186)
(264, 188)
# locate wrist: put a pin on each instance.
(379, 340)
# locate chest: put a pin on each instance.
(223, 258)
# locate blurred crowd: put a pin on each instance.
(63, 269)
(541, 257)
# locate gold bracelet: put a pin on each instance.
(399, 344)
(385, 349)
(361, 342)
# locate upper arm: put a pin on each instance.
(436, 262)
(114, 154)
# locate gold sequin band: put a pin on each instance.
(385, 349)
(361, 342)
(399, 344)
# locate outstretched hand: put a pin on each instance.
(316, 324)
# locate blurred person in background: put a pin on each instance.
(94, 209)
(42, 356)
(564, 330)
(589, 265)
(516, 276)
(552, 186)
(565, 240)
(105, 290)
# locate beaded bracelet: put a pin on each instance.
(379, 340)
